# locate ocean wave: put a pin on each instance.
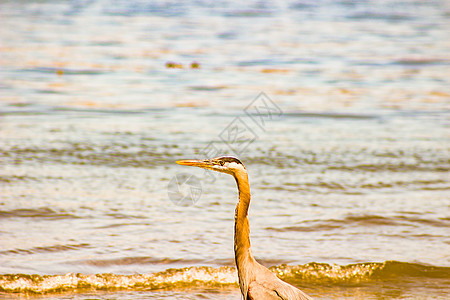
(42, 212)
(53, 248)
(209, 277)
(366, 220)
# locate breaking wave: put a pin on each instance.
(210, 277)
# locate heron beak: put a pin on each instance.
(196, 163)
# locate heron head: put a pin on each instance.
(224, 164)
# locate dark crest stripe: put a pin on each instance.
(229, 159)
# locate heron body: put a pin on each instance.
(255, 280)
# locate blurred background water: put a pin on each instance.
(99, 98)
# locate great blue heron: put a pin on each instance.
(255, 280)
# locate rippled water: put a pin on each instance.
(349, 174)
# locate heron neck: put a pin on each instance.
(241, 226)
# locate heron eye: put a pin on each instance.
(221, 163)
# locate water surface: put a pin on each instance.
(349, 179)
